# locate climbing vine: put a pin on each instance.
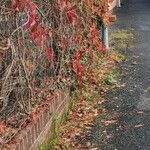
(43, 44)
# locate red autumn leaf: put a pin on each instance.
(43, 106)
(2, 128)
(14, 5)
(67, 6)
(39, 41)
(94, 35)
(102, 48)
(78, 39)
(34, 34)
(19, 5)
(32, 22)
(50, 55)
(94, 57)
(61, 4)
(13, 141)
(78, 67)
(72, 16)
(33, 117)
(24, 124)
(42, 31)
(39, 34)
(31, 6)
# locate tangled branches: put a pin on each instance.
(42, 44)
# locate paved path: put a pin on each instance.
(129, 105)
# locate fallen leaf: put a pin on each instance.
(88, 144)
(2, 128)
(108, 122)
(101, 102)
(94, 148)
(108, 136)
(134, 63)
(140, 112)
(139, 125)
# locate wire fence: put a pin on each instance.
(24, 66)
(31, 68)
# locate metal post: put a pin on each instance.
(105, 36)
(118, 3)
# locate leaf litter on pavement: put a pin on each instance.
(75, 131)
(74, 134)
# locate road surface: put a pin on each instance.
(128, 107)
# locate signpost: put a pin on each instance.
(118, 3)
(105, 36)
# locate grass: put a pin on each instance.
(121, 39)
(56, 122)
(110, 77)
(54, 134)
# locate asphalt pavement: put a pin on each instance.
(126, 123)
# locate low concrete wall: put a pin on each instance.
(39, 131)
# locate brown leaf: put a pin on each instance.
(108, 122)
(140, 112)
(139, 125)
(94, 148)
(2, 128)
